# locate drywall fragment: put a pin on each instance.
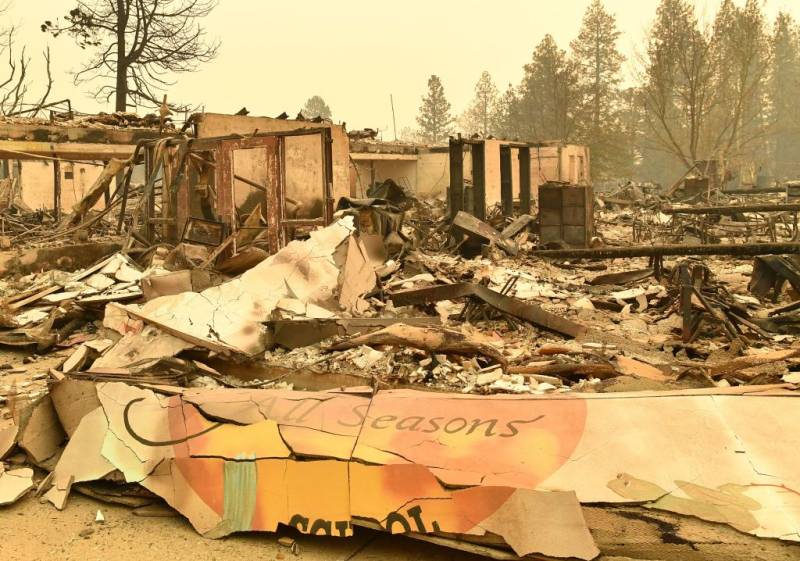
(77, 360)
(8, 438)
(633, 367)
(82, 459)
(99, 345)
(358, 275)
(40, 432)
(73, 400)
(553, 524)
(117, 318)
(14, 484)
(99, 281)
(151, 343)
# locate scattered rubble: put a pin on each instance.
(410, 357)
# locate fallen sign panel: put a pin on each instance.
(509, 470)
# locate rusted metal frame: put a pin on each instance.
(210, 142)
(152, 169)
(506, 183)
(670, 250)
(456, 192)
(224, 174)
(221, 239)
(275, 196)
(524, 156)
(173, 189)
(479, 180)
(522, 310)
(326, 138)
(687, 317)
(182, 196)
(656, 262)
(57, 190)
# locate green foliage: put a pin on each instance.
(434, 119)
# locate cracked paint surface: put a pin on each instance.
(514, 467)
(229, 316)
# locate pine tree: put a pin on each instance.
(478, 118)
(598, 63)
(548, 94)
(434, 117)
(505, 120)
(316, 107)
(783, 86)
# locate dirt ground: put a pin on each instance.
(32, 531)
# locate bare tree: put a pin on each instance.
(138, 44)
(15, 86)
(704, 93)
(677, 81)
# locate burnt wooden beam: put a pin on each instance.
(456, 192)
(506, 185)
(479, 181)
(667, 250)
(524, 180)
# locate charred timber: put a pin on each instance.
(667, 250)
(755, 191)
(733, 209)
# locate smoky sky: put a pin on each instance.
(355, 53)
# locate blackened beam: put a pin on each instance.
(517, 308)
(667, 250)
(755, 191)
(733, 209)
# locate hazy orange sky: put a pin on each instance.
(355, 53)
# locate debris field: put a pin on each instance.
(555, 373)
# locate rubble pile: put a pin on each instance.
(446, 377)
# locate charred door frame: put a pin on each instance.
(478, 150)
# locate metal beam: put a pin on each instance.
(667, 250)
(30, 150)
(733, 209)
(755, 191)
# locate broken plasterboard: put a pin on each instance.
(229, 316)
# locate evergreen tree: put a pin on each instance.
(316, 107)
(505, 120)
(548, 94)
(784, 84)
(478, 118)
(434, 119)
(598, 63)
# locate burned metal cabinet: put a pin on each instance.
(566, 214)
